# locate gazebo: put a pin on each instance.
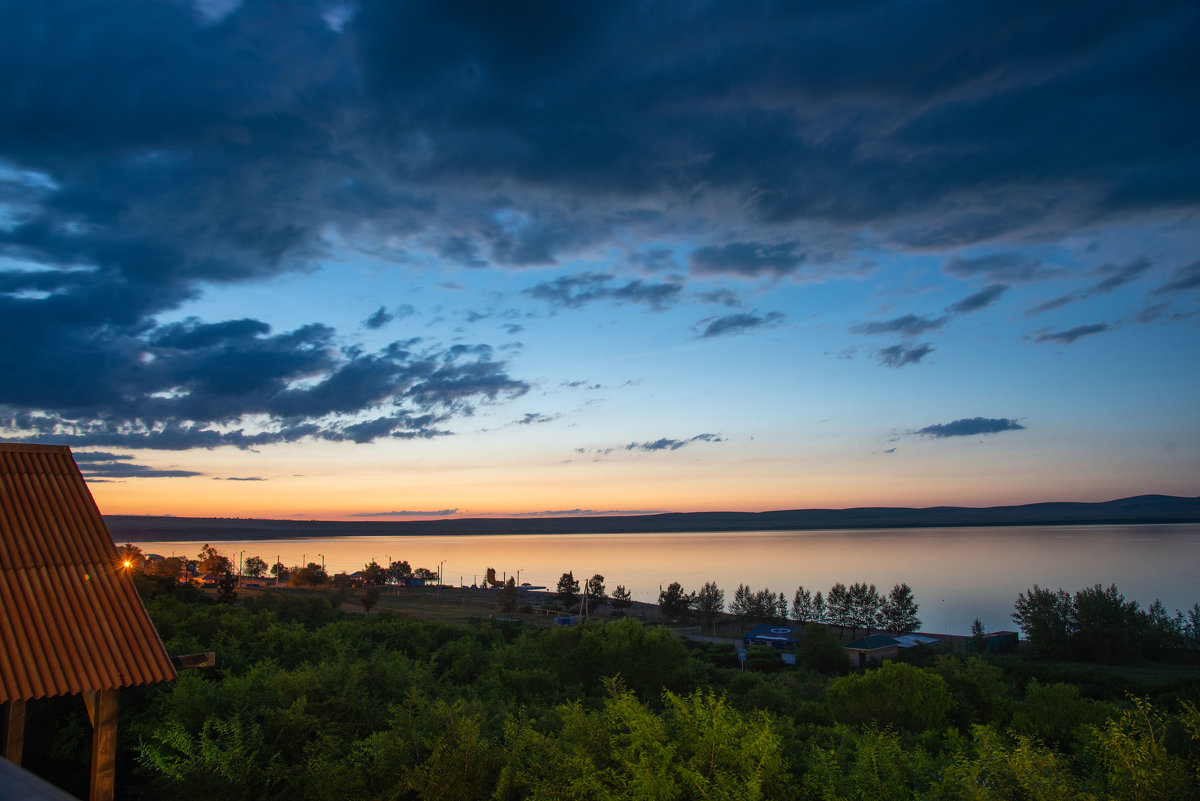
(71, 621)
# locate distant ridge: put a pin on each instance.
(1139, 509)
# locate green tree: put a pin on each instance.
(674, 602)
(819, 649)
(1045, 618)
(211, 561)
(895, 694)
(374, 573)
(1132, 748)
(837, 607)
(425, 573)
(227, 588)
(311, 575)
(255, 566)
(369, 598)
(979, 639)
(567, 592)
(506, 599)
(898, 613)
(596, 592)
(131, 556)
(742, 605)
(802, 605)
(1104, 625)
(400, 569)
(621, 598)
(280, 571)
(709, 603)
(863, 606)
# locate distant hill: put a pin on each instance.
(1140, 509)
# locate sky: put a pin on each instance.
(400, 260)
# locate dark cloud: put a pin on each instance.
(1186, 279)
(901, 355)
(239, 478)
(981, 299)
(666, 444)
(890, 450)
(534, 417)
(408, 513)
(970, 427)
(379, 319)
(910, 325)
(194, 384)
(587, 512)
(148, 153)
(1072, 334)
(1112, 277)
(573, 291)
(1008, 268)
(748, 259)
(737, 323)
(106, 466)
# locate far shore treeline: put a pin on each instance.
(1142, 509)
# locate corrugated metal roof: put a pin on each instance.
(70, 618)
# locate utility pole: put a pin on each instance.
(440, 565)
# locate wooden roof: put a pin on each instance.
(70, 618)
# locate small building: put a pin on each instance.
(71, 621)
(781, 638)
(872, 649)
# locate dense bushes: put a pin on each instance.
(310, 703)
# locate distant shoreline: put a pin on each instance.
(1138, 510)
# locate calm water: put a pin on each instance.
(957, 574)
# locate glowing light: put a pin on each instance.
(128, 563)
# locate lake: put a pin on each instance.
(957, 574)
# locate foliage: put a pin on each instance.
(255, 566)
(374, 573)
(227, 588)
(818, 649)
(369, 598)
(506, 599)
(595, 591)
(862, 608)
(211, 561)
(802, 605)
(567, 591)
(131, 556)
(674, 602)
(710, 600)
(901, 696)
(621, 598)
(898, 612)
(311, 575)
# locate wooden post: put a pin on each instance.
(104, 745)
(12, 736)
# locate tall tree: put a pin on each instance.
(742, 605)
(1045, 617)
(595, 590)
(802, 605)
(369, 597)
(401, 569)
(373, 573)
(674, 602)
(709, 603)
(621, 598)
(255, 566)
(506, 599)
(899, 612)
(781, 609)
(820, 611)
(863, 607)
(131, 556)
(567, 592)
(210, 561)
(837, 604)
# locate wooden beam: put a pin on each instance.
(104, 746)
(12, 736)
(189, 661)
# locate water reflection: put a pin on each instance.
(957, 574)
